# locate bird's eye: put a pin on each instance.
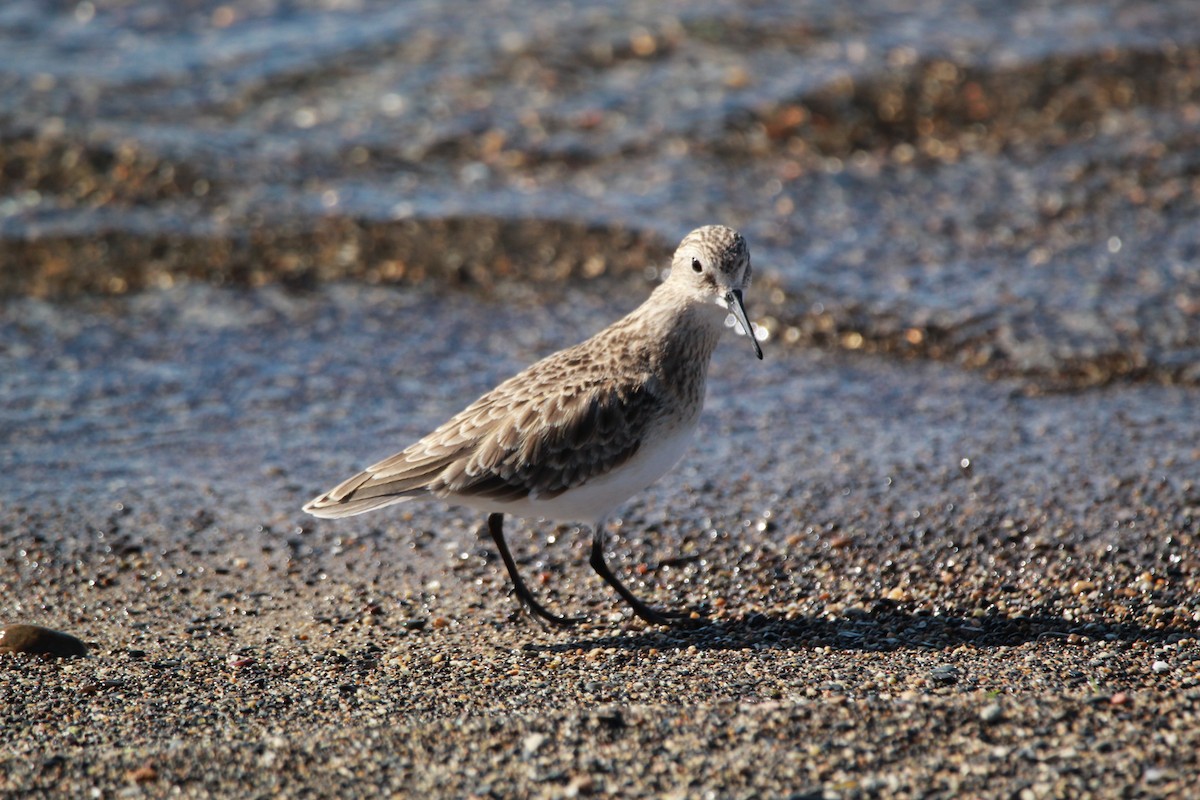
(696, 267)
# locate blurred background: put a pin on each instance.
(1009, 185)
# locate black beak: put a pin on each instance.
(733, 298)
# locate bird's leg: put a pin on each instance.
(495, 523)
(650, 614)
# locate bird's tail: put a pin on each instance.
(358, 495)
(328, 507)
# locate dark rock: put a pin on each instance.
(21, 638)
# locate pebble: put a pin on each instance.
(992, 712)
(22, 638)
(945, 674)
(142, 774)
(532, 743)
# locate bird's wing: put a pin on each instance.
(547, 445)
(537, 434)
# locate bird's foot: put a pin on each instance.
(541, 613)
(672, 619)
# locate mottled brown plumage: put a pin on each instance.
(575, 434)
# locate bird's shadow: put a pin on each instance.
(885, 631)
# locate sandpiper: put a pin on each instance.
(573, 436)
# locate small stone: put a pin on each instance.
(992, 712)
(532, 743)
(580, 785)
(96, 687)
(1079, 587)
(1160, 667)
(611, 719)
(945, 673)
(21, 638)
(143, 774)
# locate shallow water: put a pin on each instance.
(1011, 186)
(246, 403)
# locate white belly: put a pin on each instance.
(591, 502)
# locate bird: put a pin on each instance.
(576, 434)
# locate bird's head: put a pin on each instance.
(712, 265)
